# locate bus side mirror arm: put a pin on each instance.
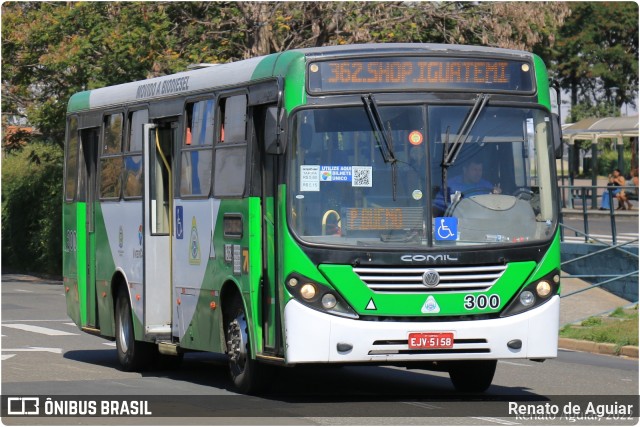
(274, 143)
(556, 134)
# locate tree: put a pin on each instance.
(51, 50)
(31, 237)
(597, 52)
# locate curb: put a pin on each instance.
(598, 348)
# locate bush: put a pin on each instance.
(32, 209)
(608, 161)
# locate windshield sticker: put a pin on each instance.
(335, 173)
(362, 176)
(310, 178)
(446, 228)
(358, 176)
(416, 138)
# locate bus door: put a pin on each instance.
(87, 195)
(271, 161)
(159, 142)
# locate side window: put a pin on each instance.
(231, 148)
(133, 170)
(111, 158)
(196, 157)
(234, 119)
(71, 160)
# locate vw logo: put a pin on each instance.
(430, 278)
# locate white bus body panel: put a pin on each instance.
(312, 336)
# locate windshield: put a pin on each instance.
(497, 190)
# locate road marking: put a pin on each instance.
(513, 363)
(422, 405)
(497, 421)
(37, 329)
(23, 290)
(30, 349)
(110, 344)
(7, 356)
(620, 237)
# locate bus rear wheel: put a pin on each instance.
(248, 375)
(133, 355)
(473, 376)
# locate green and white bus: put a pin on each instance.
(318, 206)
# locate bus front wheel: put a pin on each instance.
(248, 375)
(472, 375)
(133, 355)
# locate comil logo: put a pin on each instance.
(432, 258)
(23, 406)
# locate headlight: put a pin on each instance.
(329, 301)
(527, 299)
(534, 294)
(318, 296)
(543, 288)
(308, 291)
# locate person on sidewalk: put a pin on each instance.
(621, 195)
(605, 204)
(633, 195)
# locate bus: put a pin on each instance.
(388, 204)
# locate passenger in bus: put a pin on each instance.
(470, 183)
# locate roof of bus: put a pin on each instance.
(234, 73)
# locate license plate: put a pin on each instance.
(421, 340)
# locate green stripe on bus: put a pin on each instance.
(79, 101)
(81, 229)
(542, 82)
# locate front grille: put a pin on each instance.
(409, 279)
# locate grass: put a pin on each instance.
(619, 328)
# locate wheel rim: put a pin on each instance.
(124, 332)
(237, 344)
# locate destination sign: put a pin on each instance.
(359, 219)
(420, 73)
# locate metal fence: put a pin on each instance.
(584, 201)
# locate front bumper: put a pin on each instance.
(313, 337)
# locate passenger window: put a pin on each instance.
(133, 170)
(231, 150)
(111, 160)
(197, 156)
(71, 180)
(234, 114)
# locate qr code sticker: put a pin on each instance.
(362, 176)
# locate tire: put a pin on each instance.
(133, 355)
(248, 375)
(474, 376)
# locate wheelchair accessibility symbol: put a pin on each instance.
(446, 228)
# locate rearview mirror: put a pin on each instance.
(556, 134)
(273, 143)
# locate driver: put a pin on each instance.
(470, 183)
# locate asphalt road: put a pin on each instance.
(44, 354)
(599, 226)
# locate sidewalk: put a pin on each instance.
(581, 306)
(601, 182)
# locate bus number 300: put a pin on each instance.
(481, 302)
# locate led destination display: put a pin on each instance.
(489, 75)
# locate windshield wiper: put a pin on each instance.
(385, 140)
(450, 153)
